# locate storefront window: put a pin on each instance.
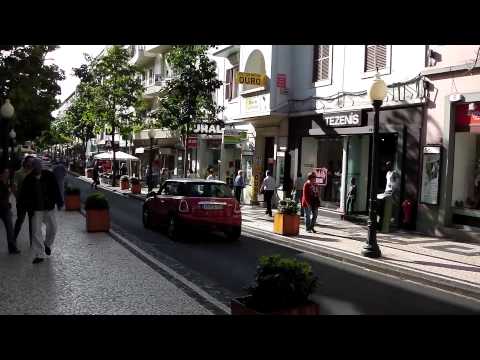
(357, 168)
(330, 156)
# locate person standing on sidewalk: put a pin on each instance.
(268, 190)
(20, 176)
(310, 203)
(238, 185)
(298, 191)
(60, 172)
(96, 175)
(40, 194)
(6, 211)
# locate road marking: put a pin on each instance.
(173, 273)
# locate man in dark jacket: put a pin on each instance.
(5, 210)
(40, 193)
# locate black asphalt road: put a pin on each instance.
(224, 269)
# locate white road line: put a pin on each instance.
(173, 273)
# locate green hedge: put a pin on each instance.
(96, 201)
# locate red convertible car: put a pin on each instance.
(193, 203)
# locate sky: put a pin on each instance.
(68, 57)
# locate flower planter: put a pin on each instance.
(124, 185)
(286, 224)
(89, 173)
(98, 220)
(72, 202)
(136, 188)
(238, 307)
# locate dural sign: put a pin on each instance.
(345, 119)
(208, 129)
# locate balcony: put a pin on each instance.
(141, 57)
(153, 86)
(157, 49)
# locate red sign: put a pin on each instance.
(465, 120)
(321, 176)
(192, 143)
(281, 81)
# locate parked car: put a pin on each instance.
(193, 203)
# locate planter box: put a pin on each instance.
(72, 202)
(284, 224)
(124, 185)
(89, 173)
(237, 307)
(98, 220)
(136, 189)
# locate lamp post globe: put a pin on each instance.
(7, 109)
(377, 93)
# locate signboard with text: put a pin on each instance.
(281, 81)
(321, 176)
(343, 119)
(192, 143)
(255, 79)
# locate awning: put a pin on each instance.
(119, 155)
(139, 150)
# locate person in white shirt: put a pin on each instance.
(211, 174)
(268, 189)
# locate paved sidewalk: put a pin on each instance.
(88, 273)
(437, 259)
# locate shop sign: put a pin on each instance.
(192, 143)
(343, 119)
(321, 176)
(251, 79)
(281, 81)
(431, 174)
(252, 103)
(465, 120)
(233, 136)
(208, 129)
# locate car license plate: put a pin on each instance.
(212, 206)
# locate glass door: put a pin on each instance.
(357, 172)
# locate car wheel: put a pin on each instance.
(172, 228)
(234, 234)
(147, 223)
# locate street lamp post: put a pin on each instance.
(151, 135)
(377, 94)
(6, 111)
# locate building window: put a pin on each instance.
(375, 57)
(231, 84)
(321, 62)
(150, 76)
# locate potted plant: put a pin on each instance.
(136, 186)
(124, 182)
(72, 198)
(282, 287)
(98, 216)
(286, 220)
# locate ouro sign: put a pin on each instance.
(343, 119)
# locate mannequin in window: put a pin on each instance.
(389, 196)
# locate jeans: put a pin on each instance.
(48, 218)
(21, 213)
(310, 217)
(268, 194)
(238, 193)
(6, 217)
(298, 199)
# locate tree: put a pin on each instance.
(31, 86)
(116, 91)
(188, 98)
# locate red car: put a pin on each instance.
(193, 203)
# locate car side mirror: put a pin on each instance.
(152, 194)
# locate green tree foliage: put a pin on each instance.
(188, 98)
(31, 85)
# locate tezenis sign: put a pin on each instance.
(344, 119)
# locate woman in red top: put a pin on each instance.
(310, 203)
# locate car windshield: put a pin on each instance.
(208, 190)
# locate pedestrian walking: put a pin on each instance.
(310, 203)
(149, 177)
(268, 190)
(163, 177)
(6, 210)
(60, 172)
(19, 177)
(351, 195)
(40, 194)
(96, 175)
(298, 191)
(238, 185)
(124, 169)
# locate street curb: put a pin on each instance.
(137, 251)
(438, 282)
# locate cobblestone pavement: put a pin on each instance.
(86, 274)
(435, 256)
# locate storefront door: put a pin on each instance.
(358, 169)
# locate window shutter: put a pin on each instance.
(375, 56)
(321, 62)
(234, 82)
(381, 56)
(228, 80)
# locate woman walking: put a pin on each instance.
(310, 203)
(268, 189)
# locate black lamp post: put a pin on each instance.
(151, 135)
(7, 111)
(377, 93)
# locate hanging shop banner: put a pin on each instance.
(467, 120)
(233, 136)
(321, 176)
(431, 174)
(192, 143)
(252, 104)
(251, 79)
(209, 129)
(343, 119)
(281, 81)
